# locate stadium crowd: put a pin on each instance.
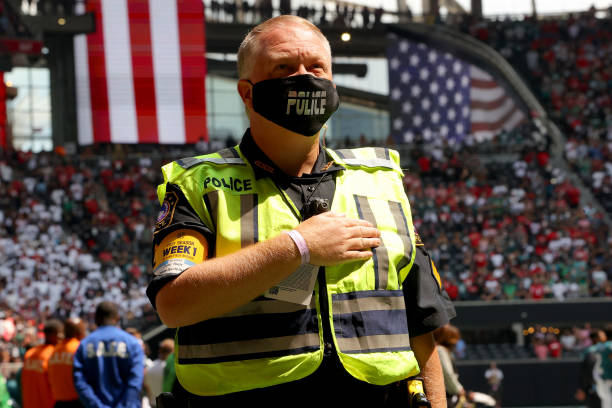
(568, 64)
(343, 15)
(507, 229)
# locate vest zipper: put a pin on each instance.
(328, 340)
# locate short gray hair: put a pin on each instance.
(248, 47)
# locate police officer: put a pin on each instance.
(236, 225)
(108, 366)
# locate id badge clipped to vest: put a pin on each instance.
(298, 287)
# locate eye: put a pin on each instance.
(318, 67)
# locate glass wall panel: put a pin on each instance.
(225, 111)
(354, 125)
(29, 113)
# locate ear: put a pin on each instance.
(245, 89)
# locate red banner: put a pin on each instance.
(2, 111)
(20, 46)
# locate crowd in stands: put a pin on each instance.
(539, 342)
(568, 63)
(74, 231)
(49, 7)
(10, 24)
(507, 227)
(343, 15)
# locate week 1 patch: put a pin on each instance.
(178, 251)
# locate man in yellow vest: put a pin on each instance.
(292, 272)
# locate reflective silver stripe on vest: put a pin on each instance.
(402, 230)
(380, 255)
(249, 230)
(382, 158)
(228, 153)
(345, 153)
(248, 346)
(382, 153)
(371, 163)
(372, 343)
(211, 199)
(363, 304)
(189, 162)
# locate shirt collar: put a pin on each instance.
(263, 166)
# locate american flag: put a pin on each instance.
(140, 77)
(435, 94)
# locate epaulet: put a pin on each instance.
(225, 156)
(372, 157)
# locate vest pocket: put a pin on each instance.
(395, 252)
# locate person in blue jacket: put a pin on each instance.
(108, 366)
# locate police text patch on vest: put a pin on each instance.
(229, 183)
(178, 251)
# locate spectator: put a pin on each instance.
(446, 338)
(539, 348)
(5, 398)
(109, 363)
(554, 346)
(588, 388)
(285, 7)
(35, 386)
(365, 16)
(494, 377)
(154, 375)
(60, 365)
(567, 340)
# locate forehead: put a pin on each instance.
(291, 41)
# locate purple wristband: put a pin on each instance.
(301, 245)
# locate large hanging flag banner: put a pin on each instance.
(140, 77)
(435, 94)
(3, 138)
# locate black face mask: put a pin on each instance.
(301, 103)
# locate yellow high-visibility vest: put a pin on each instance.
(267, 342)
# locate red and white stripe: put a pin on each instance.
(491, 109)
(140, 77)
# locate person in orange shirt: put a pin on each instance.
(60, 365)
(35, 388)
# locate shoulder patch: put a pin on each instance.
(436, 275)
(417, 239)
(166, 212)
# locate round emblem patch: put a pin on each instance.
(166, 212)
(163, 211)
